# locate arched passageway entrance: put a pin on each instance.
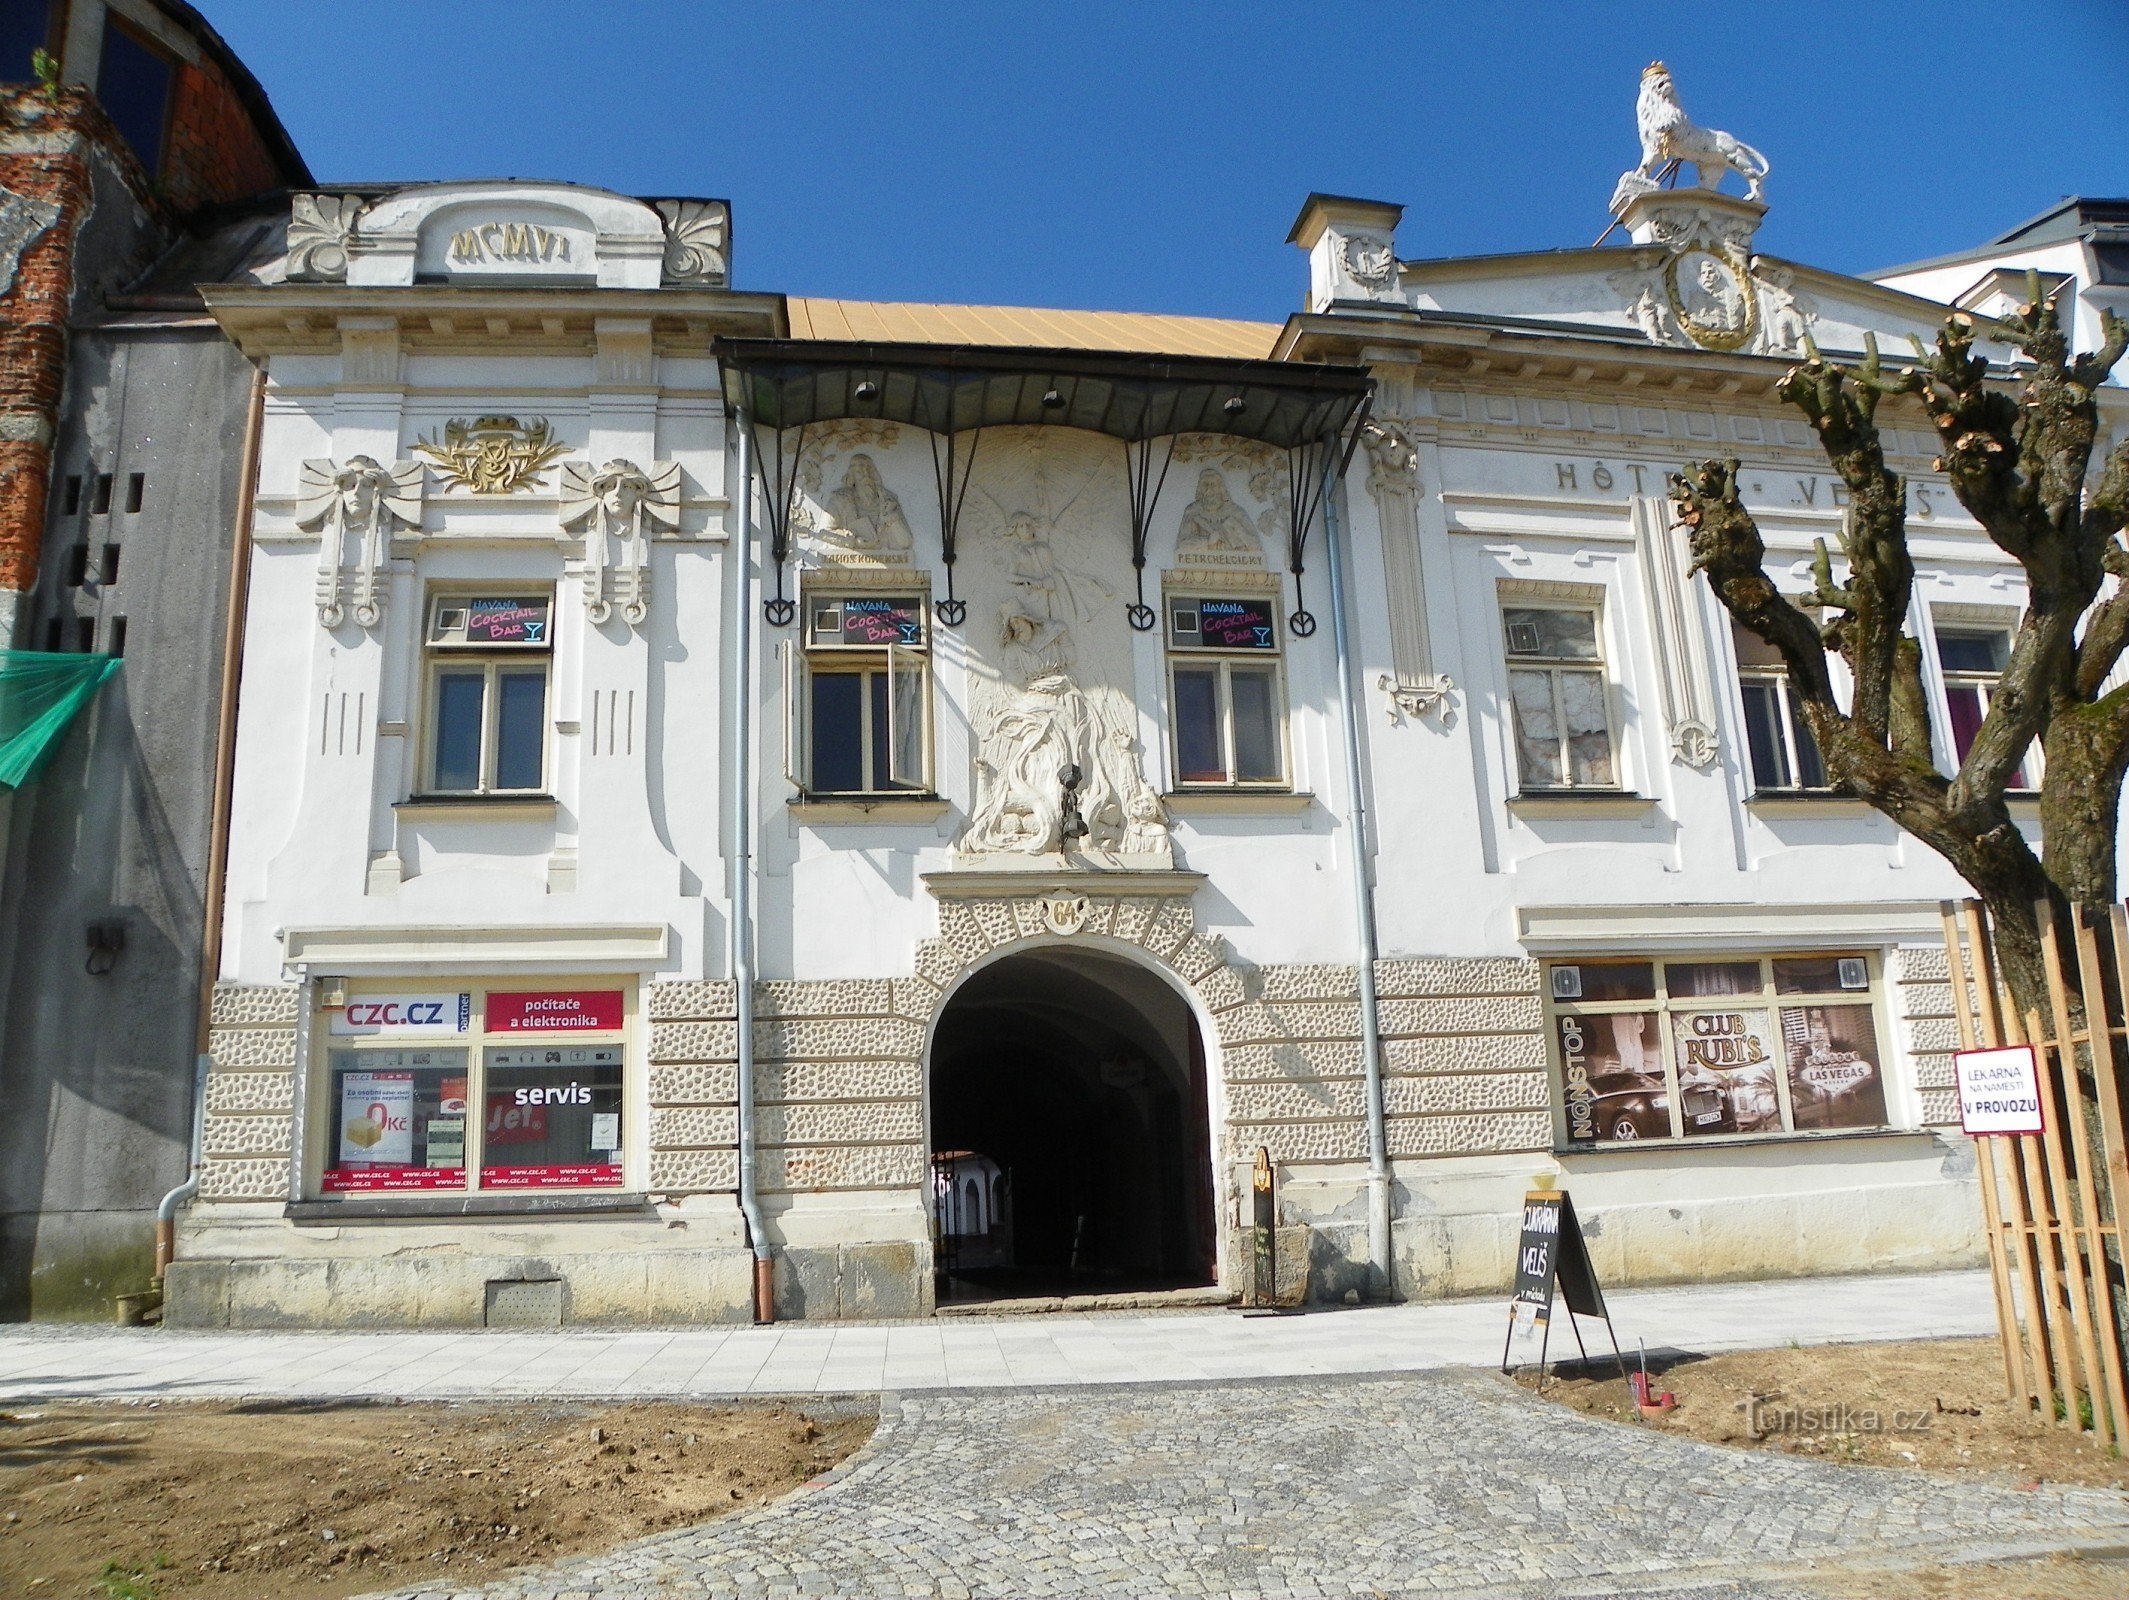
(1070, 1132)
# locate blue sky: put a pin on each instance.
(1151, 156)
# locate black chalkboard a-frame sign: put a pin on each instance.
(1549, 1252)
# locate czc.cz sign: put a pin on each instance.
(403, 1013)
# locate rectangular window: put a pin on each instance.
(395, 1120)
(1730, 1047)
(1972, 661)
(1227, 708)
(1559, 698)
(553, 1118)
(1777, 740)
(133, 82)
(488, 660)
(859, 697)
(414, 1099)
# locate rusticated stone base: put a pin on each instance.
(446, 1290)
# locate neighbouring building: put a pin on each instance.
(150, 161)
(882, 804)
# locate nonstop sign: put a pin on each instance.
(1999, 1090)
(555, 1011)
(372, 1014)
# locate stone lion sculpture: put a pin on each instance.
(1668, 134)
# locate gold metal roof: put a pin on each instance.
(877, 321)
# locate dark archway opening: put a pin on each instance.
(1070, 1135)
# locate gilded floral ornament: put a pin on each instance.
(321, 231)
(493, 455)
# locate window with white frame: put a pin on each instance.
(1778, 742)
(1716, 1045)
(1971, 660)
(1559, 697)
(488, 658)
(1227, 716)
(858, 693)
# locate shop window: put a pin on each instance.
(531, 1095)
(1778, 742)
(1735, 1046)
(1227, 715)
(1972, 662)
(133, 82)
(1559, 697)
(488, 660)
(858, 696)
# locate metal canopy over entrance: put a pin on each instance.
(784, 387)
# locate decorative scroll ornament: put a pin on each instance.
(619, 502)
(1369, 262)
(321, 232)
(1685, 691)
(366, 500)
(493, 455)
(1668, 135)
(694, 241)
(1693, 743)
(1415, 689)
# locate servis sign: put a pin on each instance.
(397, 1014)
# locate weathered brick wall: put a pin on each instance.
(45, 176)
(213, 152)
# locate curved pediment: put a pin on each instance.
(504, 232)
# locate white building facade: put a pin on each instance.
(739, 798)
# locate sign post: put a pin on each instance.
(1549, 1251)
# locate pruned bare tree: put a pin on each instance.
(2018, 452)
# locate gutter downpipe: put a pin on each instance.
(225, 759)
(1359, 846)
(740, 802)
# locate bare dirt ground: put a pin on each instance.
(1936, 1404)
(2056, 1578)
(235, 1500)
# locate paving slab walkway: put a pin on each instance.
(45, 1361)
(1453, 1483)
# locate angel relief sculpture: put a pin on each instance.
(357, 502)
(863, 513)
(617, 506)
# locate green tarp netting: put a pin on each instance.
(39, 695)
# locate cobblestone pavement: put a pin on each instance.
(1450, 1483)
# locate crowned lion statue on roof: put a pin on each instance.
(1668, 134)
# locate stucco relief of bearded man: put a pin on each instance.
(1212, 521)
(864, 513)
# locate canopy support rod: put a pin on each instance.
(1145, 490)
(946, 461)
(779, 507)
